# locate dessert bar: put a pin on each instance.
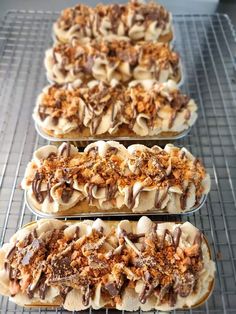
(143, 108)
(136, 20)
(107, 176)
(123, 265)
(109, 59)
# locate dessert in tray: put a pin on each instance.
(106, 70)
(107, 177)
(112, 73)
(143, 108)
(123, 265)
(136, 20)
(109, 58)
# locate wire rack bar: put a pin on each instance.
(208, 49)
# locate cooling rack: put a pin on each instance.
(207, 46)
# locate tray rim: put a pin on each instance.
(50, 138)
(41, 214)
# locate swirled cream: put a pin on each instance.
(136, 20)
(107, 176)
(125, 265)
(109, 59)
(144, 108)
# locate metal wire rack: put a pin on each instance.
(207, 46)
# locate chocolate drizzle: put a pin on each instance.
(198, 241)
(11, 252)
(93, 150)
(42, 114)
(87, 293)
(95, 124)
(176, 236)
(36, 187)
(167, 232)
(67, 192)
(112, 151)
(132, 196)
(183, 198)
(172, 119)
(49, 190)
(90, 192)
(13, 274)
(42, 287)
(110, 191)
(145, 293)
(66, 148)
(159, 200)
(64, 291)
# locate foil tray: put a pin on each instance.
(50, 138)
(106, 213)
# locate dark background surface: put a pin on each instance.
(175, 6)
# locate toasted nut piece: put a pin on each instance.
(187, 261)
(192, 251)
(87, 173)
(97, 179)
(180, 252)
(183, 268)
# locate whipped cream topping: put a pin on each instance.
(144, 107)
(136, 20)
(125, 265)
(109, 58)
(107, 176)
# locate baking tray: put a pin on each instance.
(207, 45)
(109, 213)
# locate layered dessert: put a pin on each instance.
(123, 265)
(136, 20)
(108, 177)
(109, 58)
(144, 108)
